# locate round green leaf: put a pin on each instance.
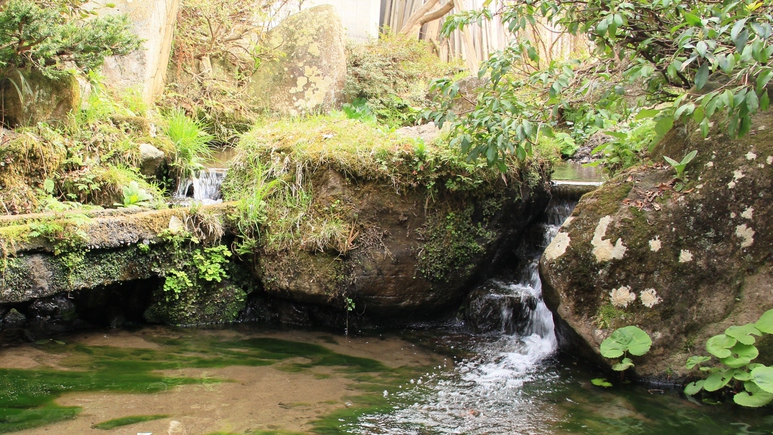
(719, 345)
(717, 380)
(693, 388)
(600, 382)
(742, 375)
(763, 377)
(627, 339)
(760, 398)
(765, 323)
(744, 334)
(740, 355)
(623, 365)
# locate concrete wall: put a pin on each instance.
(359, 17)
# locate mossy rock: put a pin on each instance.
(309, 71)
(340, 209)
(682, 265)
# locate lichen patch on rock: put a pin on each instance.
(746, 234)
(603, 249)
(558, 246)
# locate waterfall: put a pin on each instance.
(489, 393)
(203, 187)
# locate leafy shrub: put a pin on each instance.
(46, 37)
(704, 60)
(393, 75)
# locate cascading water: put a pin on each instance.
(204, 187)
(493, 392)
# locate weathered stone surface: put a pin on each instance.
(683, 266)
(42, 99)
(92, 252)
(309, 72)
(143, 70)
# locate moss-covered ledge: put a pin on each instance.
(340, 212)
(45, 254)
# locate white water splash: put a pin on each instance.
(204, 187)
(501, 390)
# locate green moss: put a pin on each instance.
(453, 240)
(608, 316)
(125, 421)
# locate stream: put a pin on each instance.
(256, 379)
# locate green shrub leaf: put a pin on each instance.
(600, 382)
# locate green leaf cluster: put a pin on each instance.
(707, 61)
(134, 196)
(735, 351)
(51, 36)
(628, 339)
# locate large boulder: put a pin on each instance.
(309, 69)
(681, 264)
(408, 256)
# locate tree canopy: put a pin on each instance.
(708, 61)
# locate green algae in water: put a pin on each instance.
(125, 421)
(27, 397)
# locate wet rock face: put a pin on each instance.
(491, 309)
(55, 308)
(682, 265)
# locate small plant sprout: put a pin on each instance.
(679, 167)
(752, 382)
(627, 340)
(134, 196)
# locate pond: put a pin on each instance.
(248, 379)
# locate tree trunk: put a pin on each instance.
(424, 15)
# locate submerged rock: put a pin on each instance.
(681, 264)
(55, 308)
(492, 308)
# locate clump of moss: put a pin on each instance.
(452, 241)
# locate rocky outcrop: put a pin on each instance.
(681, 264)
(143, 70)
(408, 256)
(309, 69)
